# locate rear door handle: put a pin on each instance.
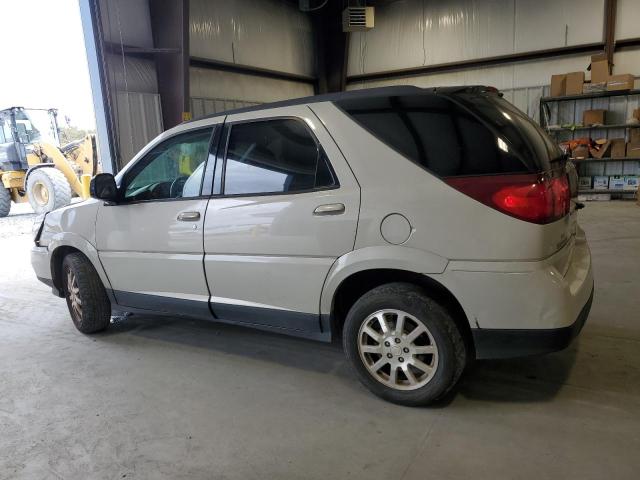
(189, 216)
(329, 209)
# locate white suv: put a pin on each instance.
(428, 228)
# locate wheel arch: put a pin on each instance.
(64, 244)
(352, 287)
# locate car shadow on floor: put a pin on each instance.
(530, 379)
(236, 340)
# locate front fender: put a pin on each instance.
(73, 240)
(381, 257)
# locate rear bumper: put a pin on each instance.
(525, 308)
(504, 343)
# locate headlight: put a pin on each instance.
(36, 228)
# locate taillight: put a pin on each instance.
(531, 197)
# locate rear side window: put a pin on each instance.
(274, 156)
(449, 137)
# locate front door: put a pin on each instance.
(286, 208)
(150, 243)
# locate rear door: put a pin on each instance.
(286, 208)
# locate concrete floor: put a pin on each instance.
(169, 398)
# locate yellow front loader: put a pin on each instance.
(34, 168)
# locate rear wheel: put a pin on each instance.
(404, 347)
(48, 189)
(5, 201)
(86, 297)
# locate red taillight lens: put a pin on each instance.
(530, 197)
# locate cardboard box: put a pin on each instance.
(616, 182)
(593, 117)
(573, 83)
(594, 87)
(636, 114)
(633, 150)
(558, 85)
(620, 82)
(580, 151)
(599, 67)
(630, 183)
(584, 182)
(600, 182)
(634, 135)
(618, 148)
(599, 71)
(601, 149)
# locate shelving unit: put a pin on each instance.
(606, 159)
(592, 127)
(568, 110)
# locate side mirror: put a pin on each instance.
(103, 187)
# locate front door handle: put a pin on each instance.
(189, 216)
(329, 209)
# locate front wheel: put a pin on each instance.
(86, 297)
(404, 346)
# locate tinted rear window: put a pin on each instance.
(462, 134)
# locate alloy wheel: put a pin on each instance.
(397, 349)
(74, 295)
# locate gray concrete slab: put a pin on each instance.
(168, 398)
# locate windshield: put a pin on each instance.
(36, 126)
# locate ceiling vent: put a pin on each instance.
(357, 19)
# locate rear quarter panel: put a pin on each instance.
(444, 222)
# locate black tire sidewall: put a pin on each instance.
(412, 300)
(5, 201)
(96, 307)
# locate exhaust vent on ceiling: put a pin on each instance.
(357, 19)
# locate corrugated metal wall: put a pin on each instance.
(414, 33)
(270, 34)
(136, 103)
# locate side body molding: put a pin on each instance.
(369, 258)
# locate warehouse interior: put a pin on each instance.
(174, 398)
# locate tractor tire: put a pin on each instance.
(5, 201)
(48, 189)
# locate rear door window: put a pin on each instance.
(274, 156)
(450, 136)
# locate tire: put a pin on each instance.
(81, 282)
(5, 201)
(48, 189)
(420, 378)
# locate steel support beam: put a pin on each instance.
(609, 30)
(92, 30)
(479, 62)
(170, 26)
(248, 70)
(332, 48)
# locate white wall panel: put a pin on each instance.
(131, 74)
(139, 120)
(412, 33)
(627, 19)
(214, 84)
(127, 22)
(544, 24)
(271, 34)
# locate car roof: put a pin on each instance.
(352, 94)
